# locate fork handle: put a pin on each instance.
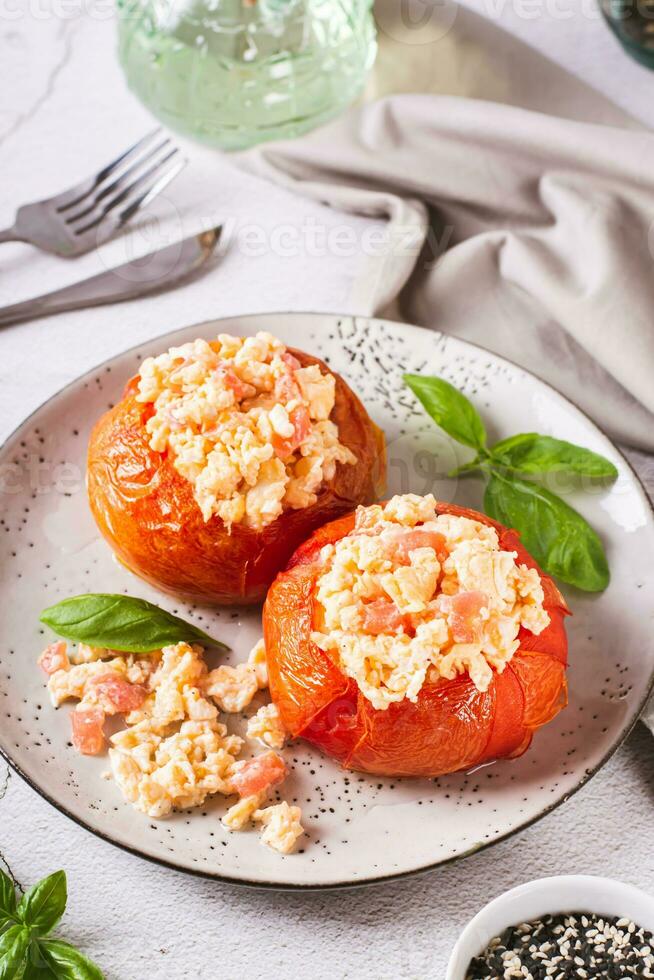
(9, 235)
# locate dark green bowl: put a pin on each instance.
(632, 22)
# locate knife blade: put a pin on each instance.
(155, 272)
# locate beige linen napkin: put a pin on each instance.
(520, 230)
(545, 227)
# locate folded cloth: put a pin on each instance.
(525, 233)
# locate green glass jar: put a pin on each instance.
(234, 72)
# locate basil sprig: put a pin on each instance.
(558, 537)
(120, 622)
(26, 949)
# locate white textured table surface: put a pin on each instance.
(64, 109)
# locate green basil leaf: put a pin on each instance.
(533, 453)
(37, 971)
(449, 409)
(6, 921)
(66, 962)
(36, 967)
(13, 947)
(120, 622)
(559, 538)
(43, 905)
(7, 895)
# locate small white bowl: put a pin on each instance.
(564, 893)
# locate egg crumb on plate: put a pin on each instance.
(240, 813)
(257, 660)
(266, 725)
(233, 687)
(158, 772)
(174, 752)
(411, 596)
(246, 424)
(281, 826)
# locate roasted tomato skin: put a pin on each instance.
(146, 510)
(452, 726)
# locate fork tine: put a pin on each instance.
(127, 191)
(127, 155)
(119, 183)
(152, 192)
(86, 187)
(161, 178)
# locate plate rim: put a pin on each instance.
(263, 884)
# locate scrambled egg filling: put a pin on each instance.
(410, 596)
(246, 424)
(174, 752)
(267, 727)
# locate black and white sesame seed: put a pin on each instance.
(569, 946)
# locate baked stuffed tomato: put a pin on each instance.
(415, 638)
(221, 458)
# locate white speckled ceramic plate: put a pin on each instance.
(360, 828)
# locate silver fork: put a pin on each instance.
(89, 213)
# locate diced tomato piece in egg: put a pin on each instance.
(286, 387)
(301, 422)
(409, 541)
(382, 616)
(463, 612)
(88, 734)
(54, 657)
(231, 380)
(258, 775)
(116, 694)
(290, 361)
